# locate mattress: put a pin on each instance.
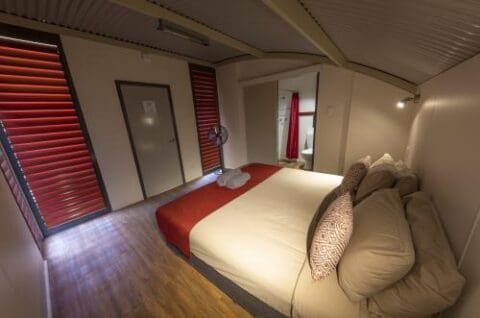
(176, 218)
(258, 240)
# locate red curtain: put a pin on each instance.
(292, 142)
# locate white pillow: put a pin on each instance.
(402, 169)
(385, 162)
(407, 180)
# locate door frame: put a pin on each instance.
(51, 38)
(317, 82)
(118, 84)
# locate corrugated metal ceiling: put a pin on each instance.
(105, 18)
(414, 40)
(247, 20)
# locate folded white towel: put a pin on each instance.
(238, 180)
(223, 179)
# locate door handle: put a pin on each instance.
(171, 140)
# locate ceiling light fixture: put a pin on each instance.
(403, 102)
(181, 32)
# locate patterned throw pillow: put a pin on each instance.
(331, 237)
(355, 175)
(327, 200)
(407, 184)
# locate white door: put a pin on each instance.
(148, 112)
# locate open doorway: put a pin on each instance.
(297, 104)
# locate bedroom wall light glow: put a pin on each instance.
(403, 102)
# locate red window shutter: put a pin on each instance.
(43, 132)
(204, 88)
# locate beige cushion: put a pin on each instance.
(402, 167)
(385, 162)
(380, 251)
(434, 282)
(374, 181)
(407, 181)
(407, 184)
(385, 159)
(331, 237)
(355, 175)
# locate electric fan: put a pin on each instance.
(218, 135)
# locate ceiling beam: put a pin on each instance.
(295, 14)
(318, 60)
(51, 28)
(385, 77)
(307, 57)
(315, 68)
(156, 11)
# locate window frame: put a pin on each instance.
(50, 38)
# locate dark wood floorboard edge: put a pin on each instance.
(119, 265)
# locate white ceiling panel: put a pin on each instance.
(249, 21)
(105, 18)
(414, 40)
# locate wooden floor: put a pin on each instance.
(119, 265)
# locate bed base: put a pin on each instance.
(250, 303)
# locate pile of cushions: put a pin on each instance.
(386, 173)
(386, 243)
(328, 237)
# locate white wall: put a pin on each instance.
(22, 284)
(232, 116)
(232, 108)
(356, 114)
(444, 148)
(333, 115)
(261, 105)
(306, 86)
(376, 125)
(283, 118)
(95, 67)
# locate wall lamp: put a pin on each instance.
(403, 102)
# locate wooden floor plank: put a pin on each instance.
(119, 265)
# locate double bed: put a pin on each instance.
(256, 239)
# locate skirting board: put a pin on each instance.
(48, 301)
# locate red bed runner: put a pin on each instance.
(175, 219)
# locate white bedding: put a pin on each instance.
(258, 240)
